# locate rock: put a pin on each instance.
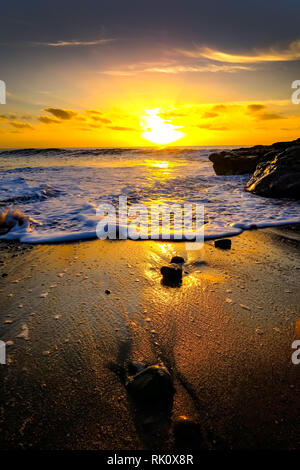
(224, 243)
(188, 434)
(152, 384)
(278, 178)
(177, 259)
(135, 367)
(107, 291)
(231, 163)
(245, 160)
(172, 274)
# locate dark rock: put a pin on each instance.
(135, 367)
(244, 160)
(224, 243)
(4, 274)
(107, 291)
(177, 259)
(278, 178)
(231, 163)
(172, 275)
(188, 434)
(151, 384)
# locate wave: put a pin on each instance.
(13, 221)
(38, 195)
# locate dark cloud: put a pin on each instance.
(48, 120)
(101, 119)
(93, 111)
(61, 113)
(253, 108)
(269, 116)
(21, 125)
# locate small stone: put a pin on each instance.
(177, 259)
(24, 333)
(245, 307)
(172, 275)
(224, 243)
(44, 294)
(107, 291)
(188, 434)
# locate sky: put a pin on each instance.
(135, 73)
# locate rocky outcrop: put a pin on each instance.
(245, 160)
(275, 168)
(279, 177)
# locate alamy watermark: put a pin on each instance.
(296, 354)
(2, 352)
(296, 93)
(2, 92)
(157, 222)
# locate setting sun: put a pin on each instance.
(157, 130)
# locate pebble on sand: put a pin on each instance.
(224, 243)
(177, 259)
(172, 274)
(24, 333)
(188, 434)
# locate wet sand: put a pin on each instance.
(225, 336)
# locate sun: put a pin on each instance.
(157, 130)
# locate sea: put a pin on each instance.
(52, 195)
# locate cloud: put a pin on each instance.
(121, 128)
(259, 113)
(101, 119)
(209, 114)
(198, 68)
(61, 113)
(253, 108)
(7, 117)
(48, 120)
(93, 111)
(212, 128)
(268, 55)
(176, 69)
(219, 107)
(97, 42)
(269, 116)
(172, 114)
(21, 125)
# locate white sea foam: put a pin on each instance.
(57, 191)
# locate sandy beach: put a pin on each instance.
(225, 335)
